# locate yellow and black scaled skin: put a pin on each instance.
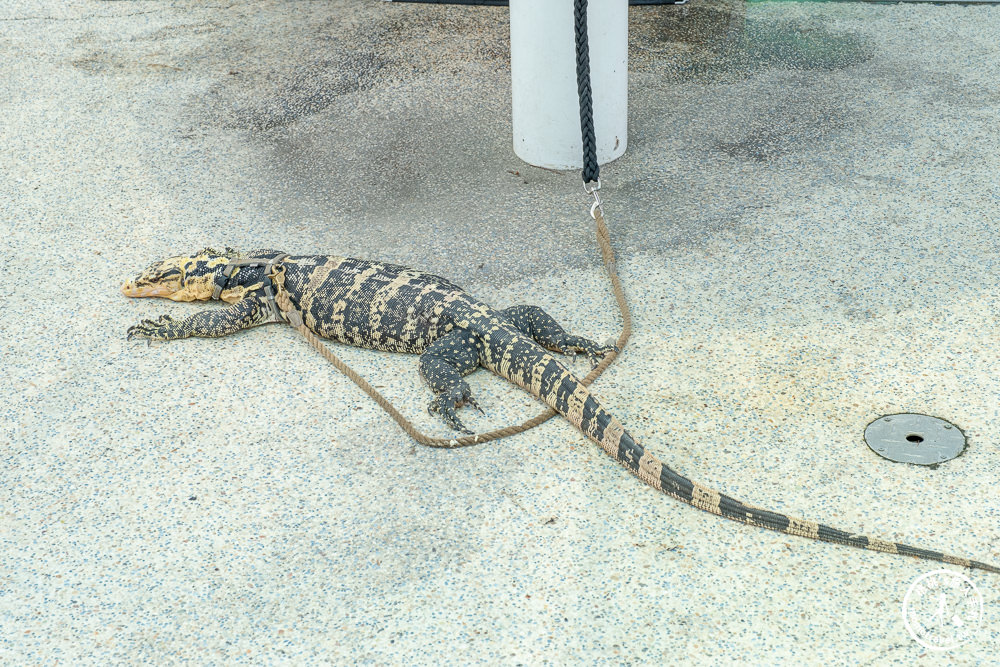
(394, 308)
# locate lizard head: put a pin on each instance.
(181, 278)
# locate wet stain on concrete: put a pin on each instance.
(718, 43)
(385, 132)
(757, 147)
(308, 88)
(160, 50)
(747, 103)
(413, 118)
(333, 60)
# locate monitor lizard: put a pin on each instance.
(393, 308)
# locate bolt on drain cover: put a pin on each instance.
(912, 438)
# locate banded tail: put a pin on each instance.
(518, 359)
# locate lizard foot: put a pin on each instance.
(573, 345)
(163, 328)
(447, 403)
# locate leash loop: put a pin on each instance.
(592, 184)
(294, 317)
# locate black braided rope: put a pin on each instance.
(591, 170)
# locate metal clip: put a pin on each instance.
(596, 206)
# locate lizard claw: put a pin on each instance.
(448, 413)
(578, 344)
(447, 402)
(605, 351)
(471, 401)
(158, 329)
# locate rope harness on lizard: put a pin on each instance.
(269, 294)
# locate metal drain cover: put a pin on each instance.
(912, 438)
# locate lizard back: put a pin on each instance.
(371, 304)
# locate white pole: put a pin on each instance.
(546, 108)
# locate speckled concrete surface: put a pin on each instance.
(806, 219)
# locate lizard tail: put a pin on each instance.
(521, 361)
(660, 476)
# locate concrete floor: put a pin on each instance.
(806, 221)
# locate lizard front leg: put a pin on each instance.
(442, 366)
(249, 312)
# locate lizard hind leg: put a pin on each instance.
(548, 333)
(442, 366)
